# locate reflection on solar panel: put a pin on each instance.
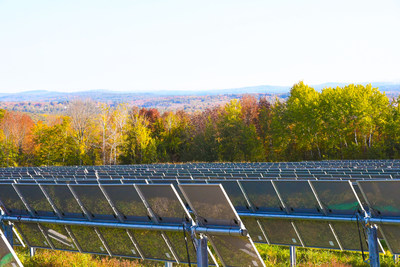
(168, 212)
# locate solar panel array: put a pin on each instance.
(100, 209)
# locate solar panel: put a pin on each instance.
(153, 245)
(280, 232)
(383, 201)
(245, 253)
(36, 200)
(32, 235)
(215, 209)
(59, 236)
(93, 202)
(255, 230)
(382, 197)
(64, 201)
(127, 202)
(299, 198)
(178, 244)
(235, 194)
(317, 234)
(262, 196)
(211, 206)
(88, 240)
(10, 201)
(165, 203)
(338, 198)
(120, 242)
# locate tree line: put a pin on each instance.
(351, 122)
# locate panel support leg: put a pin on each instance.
(292, 256)
(201, 251)
(373, 246)
(396, 258)
(32, 251)
(168, 264)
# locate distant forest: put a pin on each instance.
(349, 122)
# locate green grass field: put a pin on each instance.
(272, 255)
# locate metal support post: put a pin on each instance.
(373, 246)
(201, 251)
(396, 258)
(292, 256)
(32, 251)
(168, 264)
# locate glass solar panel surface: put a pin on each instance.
(254, 229)
(119, 242)
(337, 197)
(298, 197)
(236, 251)
(128, 202)
(262, 196)
(95, 203)
(152, 244)
(64, 201)
(392, 236)
(36, 200)
(165, 203)
(235, 195)
(59, 236)
(350, 235)
(11, 202)
(88, 240)
(210, 204)
(316, 234)
(383, 197)
(178, 244)
(32, 235)
(280, 232)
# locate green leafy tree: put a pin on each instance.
(138, 146)
(237, 142)
(54, 144)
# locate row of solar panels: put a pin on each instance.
(122, 203)
(209, 171)
(144, 204)
(351, 164)
(222, 174)
(214, 176)
(157, 171)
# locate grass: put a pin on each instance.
(272, 256)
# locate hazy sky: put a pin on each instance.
(148, 45)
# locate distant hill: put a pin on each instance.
(119, 96)
(49, 102)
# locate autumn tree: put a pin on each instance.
(82, 114)
(54, 144)
(138, 145)
(16, 138)
(237, 141)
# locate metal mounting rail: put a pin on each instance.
(366, 219)
(134, 226)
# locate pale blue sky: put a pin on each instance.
(149, 45)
